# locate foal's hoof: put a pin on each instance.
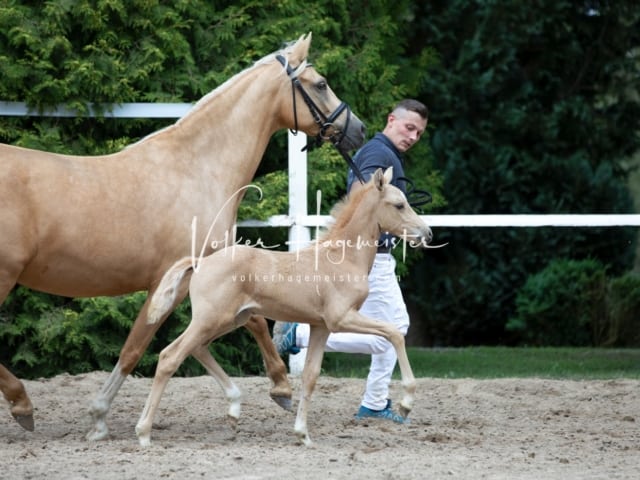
(232, 422)
(25, 421)
(284, 402)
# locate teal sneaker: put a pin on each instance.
(386, 413)
(284, 338)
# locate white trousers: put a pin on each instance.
(384, 303)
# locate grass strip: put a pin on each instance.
(501, 362)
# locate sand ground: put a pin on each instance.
(460, 429)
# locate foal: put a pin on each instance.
(322, 285)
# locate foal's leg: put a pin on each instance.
(13, 390)
(311, 371)
(276, 369)
(357, 323)
(139, 339)
(203, 355)
(168, 362)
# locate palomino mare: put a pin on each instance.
(322, 285)
(113, 224)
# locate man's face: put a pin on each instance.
(404, 128)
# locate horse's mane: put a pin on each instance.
(343, 211)
(227, 84)
(263, 61)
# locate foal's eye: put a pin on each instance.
(400, 206)
(321, 85)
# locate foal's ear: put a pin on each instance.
(300, 50)
(378, 179)
(388, 175)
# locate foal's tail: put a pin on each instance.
(164, 297)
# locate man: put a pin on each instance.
(405, 125)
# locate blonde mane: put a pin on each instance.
(222, 88)
(263, 61)
(343, 211)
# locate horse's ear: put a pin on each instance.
(379, 179)
(300, 50)
(388, 175)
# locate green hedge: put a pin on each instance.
(43, 335)
(574, 303)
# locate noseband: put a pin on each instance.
(324, 122)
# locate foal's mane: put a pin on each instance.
(344, 210)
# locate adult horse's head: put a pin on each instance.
(313, 107)
(394, 214)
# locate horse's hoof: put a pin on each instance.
(97, 434)
(404, 411)
(25, 421)
(232, 422)
(284, 402)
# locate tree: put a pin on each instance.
(106, 52)
(535, 107)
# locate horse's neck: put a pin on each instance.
(227, 132)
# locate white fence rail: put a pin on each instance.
(297, 219)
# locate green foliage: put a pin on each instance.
(105, 52)
(45, 335)
(623, 308)
(563, 305)
(535, 107)
(574, 303)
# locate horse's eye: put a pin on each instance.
(321, 85)
(400, 206)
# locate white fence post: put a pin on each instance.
(299, 235)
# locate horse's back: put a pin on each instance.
(57, 222)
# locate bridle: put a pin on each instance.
(324, 122)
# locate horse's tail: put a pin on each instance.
(164, 297)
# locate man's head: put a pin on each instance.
(406, 124)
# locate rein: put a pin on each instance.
(416, 197)
(324, 122)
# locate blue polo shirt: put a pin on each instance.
(379, 152)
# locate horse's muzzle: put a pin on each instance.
(353, 133)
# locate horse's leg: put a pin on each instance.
(313, 364)
(137, 342)
(203, 355)
(13, 390)
(276, 369)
